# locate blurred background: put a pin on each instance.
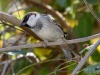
(75, 19)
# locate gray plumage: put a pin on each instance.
(45, 27)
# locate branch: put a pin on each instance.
(15, 10)
(5, 68)
(55, 13)
(95, 45)
(50, 43)
(11, 19)
(91, 11)
(82, 62)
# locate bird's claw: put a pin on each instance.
(44, 43)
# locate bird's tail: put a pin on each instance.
(69, 53)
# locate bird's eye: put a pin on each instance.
(34, 14)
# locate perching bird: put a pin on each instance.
(45, 27)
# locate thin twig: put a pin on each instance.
(37, 64)
(1, 32)
(50, 43)
(91, 11)
(18, 39)
(14, 21)
(82, 62)
(9, 18)
(4, 40)
(57, 69)
(24, 8)
(11, 26)
(11, 60)
(5, 67)
(12, 69)
(17, 9)
(55, 13)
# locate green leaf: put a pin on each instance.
(85, 25)
(92, 69)
(93, 1)
(21, 64)
(96, 56)
(62, 3)
(43, 71)
(4, 4)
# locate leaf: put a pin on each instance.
(93, 1)
(85, 25)
(21, 64)
(1, 43)
(43, 71)
(62, 3)
(92, 69)
(4, 4)
(96, 56)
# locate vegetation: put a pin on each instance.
(21, 52)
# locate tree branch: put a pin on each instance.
(11, 19)
(51, 43)
(91, 11)
(82, 62)
(55, 13)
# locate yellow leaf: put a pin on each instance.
(42, 51)
(1, 43)
(72, 23)
(94, 40)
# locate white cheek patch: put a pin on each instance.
(33, 19)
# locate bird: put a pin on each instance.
(45, 27)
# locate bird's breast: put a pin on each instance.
(49, 34)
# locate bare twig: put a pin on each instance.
(24, 8)
(14, 21)
(55, 13)
(11, 26)
(11, 60)
(3, 30)
(17, 9)
(82, 62)
(37, 64)
(95, 45)
(9, 18)
(5, 67)
(4, 40)
(50, 43)
(91, 11)
(59, 69)
(18, 39)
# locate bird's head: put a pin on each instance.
(30, 19)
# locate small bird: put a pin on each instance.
(45, 27)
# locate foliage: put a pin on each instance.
(76, 15)
(93, 69)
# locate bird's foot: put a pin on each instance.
(63, 41)
(44, 43)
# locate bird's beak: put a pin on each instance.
(22, 24)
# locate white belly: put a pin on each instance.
(49, 33)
